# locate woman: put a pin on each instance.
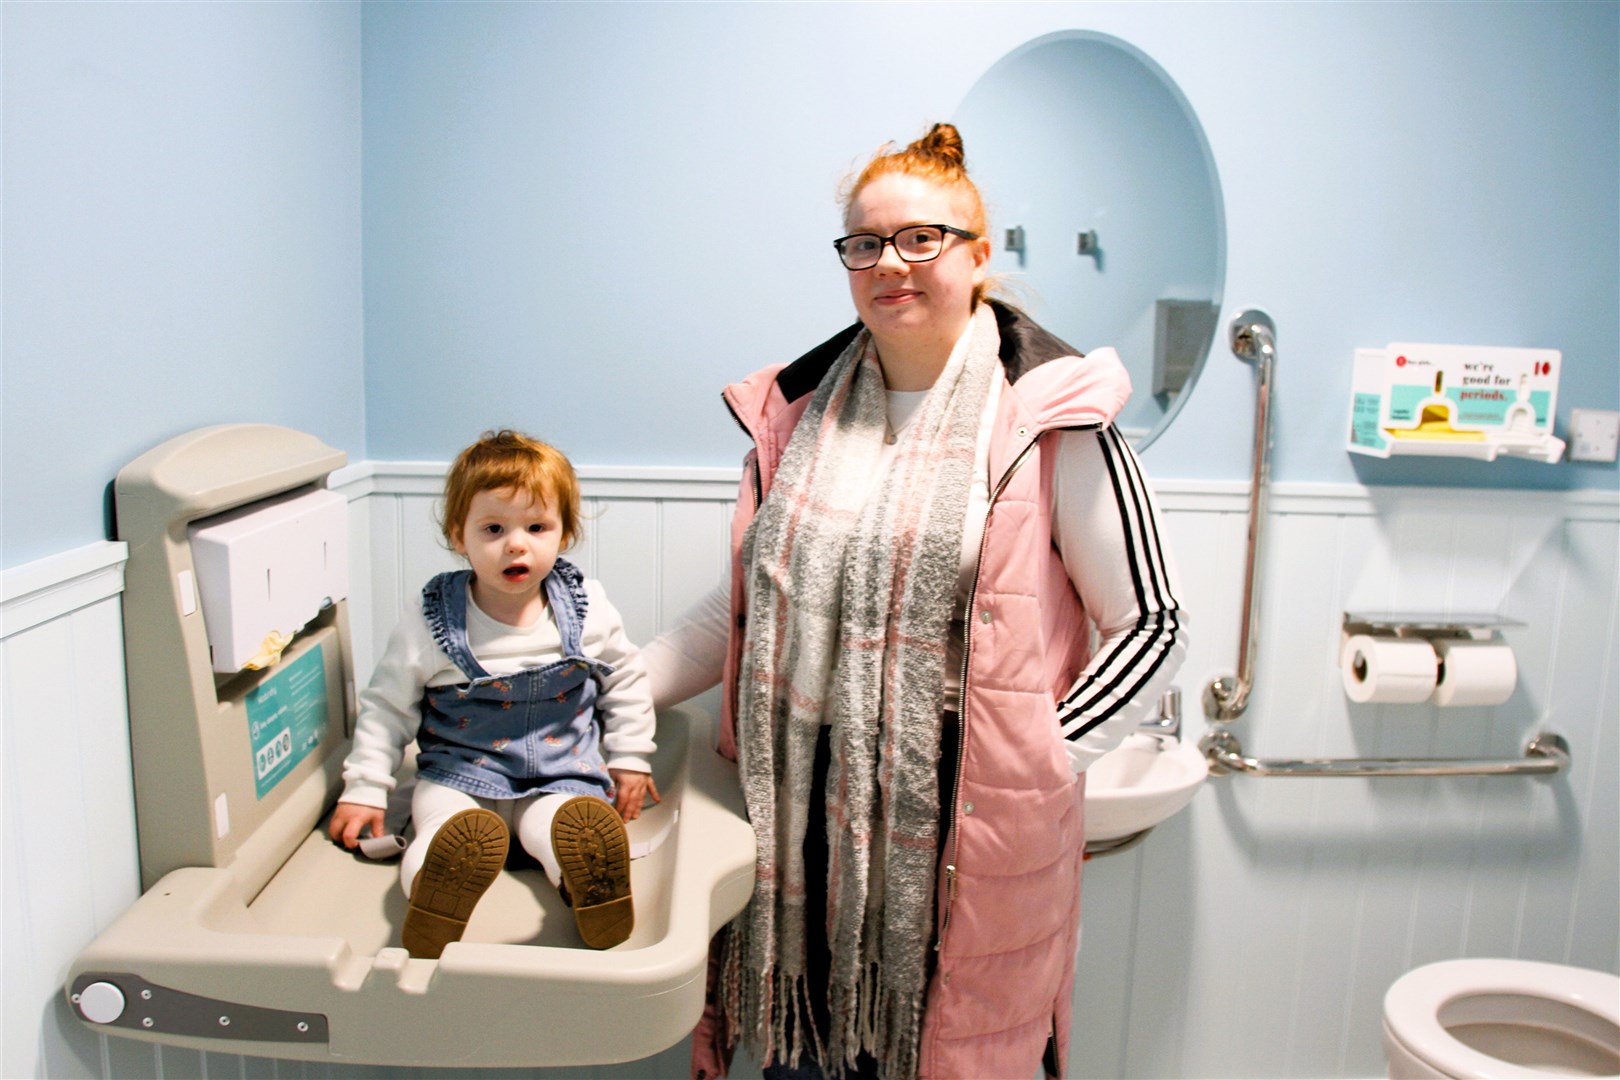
(935, 514)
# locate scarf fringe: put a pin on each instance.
(779, 1004)
(882, 1020)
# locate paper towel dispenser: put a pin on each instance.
(263, 571)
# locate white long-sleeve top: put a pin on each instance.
(390, 708)
(1103, 517)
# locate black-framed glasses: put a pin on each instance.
(914, 244)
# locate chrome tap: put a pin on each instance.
(1166, 725)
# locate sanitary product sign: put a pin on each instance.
(286, 716)
(1457, 400)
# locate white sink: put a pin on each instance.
(1140, 783)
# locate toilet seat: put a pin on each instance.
(1422, 1003)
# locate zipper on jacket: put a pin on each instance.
(962, 685)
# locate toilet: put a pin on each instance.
(1502, 1018)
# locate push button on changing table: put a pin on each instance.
(101, 1002)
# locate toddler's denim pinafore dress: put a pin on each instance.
(512, 736)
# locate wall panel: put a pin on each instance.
(1253, 935)
(70, 864)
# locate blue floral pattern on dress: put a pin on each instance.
(512, 736)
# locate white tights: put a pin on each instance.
(529, 820)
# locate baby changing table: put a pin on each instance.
(256, 934)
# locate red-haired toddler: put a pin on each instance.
(530, 705)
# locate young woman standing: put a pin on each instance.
(936, 516)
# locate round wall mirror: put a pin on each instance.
(1105, 209)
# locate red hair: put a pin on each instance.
(505, 459)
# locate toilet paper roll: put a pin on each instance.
(1391, 670)
(1474, 672)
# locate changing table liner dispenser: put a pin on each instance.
(256, 934)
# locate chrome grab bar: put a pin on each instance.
(1253, 337)
(1544, 755)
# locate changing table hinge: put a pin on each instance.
(123, 1000)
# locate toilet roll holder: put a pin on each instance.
(1425, 624)
(1252, 336)
(1422, 626)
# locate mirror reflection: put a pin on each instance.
(1105, 209)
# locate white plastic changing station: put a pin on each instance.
(257, 935)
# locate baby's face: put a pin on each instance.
(512, 542)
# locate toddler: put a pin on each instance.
(530, 706)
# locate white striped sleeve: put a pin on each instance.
(1105, 525)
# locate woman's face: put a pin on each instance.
(921, 303)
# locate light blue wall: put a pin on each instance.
(585, 219)
(181, 241)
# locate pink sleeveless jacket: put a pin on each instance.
(1009, 881)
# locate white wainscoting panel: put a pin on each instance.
(1255, 935)
(69, 859)
(1251, 936)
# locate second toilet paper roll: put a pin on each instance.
(1474, 672)
(1386, 669)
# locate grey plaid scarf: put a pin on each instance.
(849, 601)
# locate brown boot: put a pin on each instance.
(462, 862)
(591, 847)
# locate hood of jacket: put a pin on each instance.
(1055, 385)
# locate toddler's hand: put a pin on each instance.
(634, 789)
(349, 818)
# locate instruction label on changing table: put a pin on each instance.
(286, 716)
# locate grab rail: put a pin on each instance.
(1544, 755)
(1253, 338)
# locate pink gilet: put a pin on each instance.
(1009, 900)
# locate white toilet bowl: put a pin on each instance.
(1502, 1018)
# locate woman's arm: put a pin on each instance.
(1105, 524)
(689, 658)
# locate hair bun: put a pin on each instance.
(943, 142)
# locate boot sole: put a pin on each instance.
(462, 862)
(593, 850)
